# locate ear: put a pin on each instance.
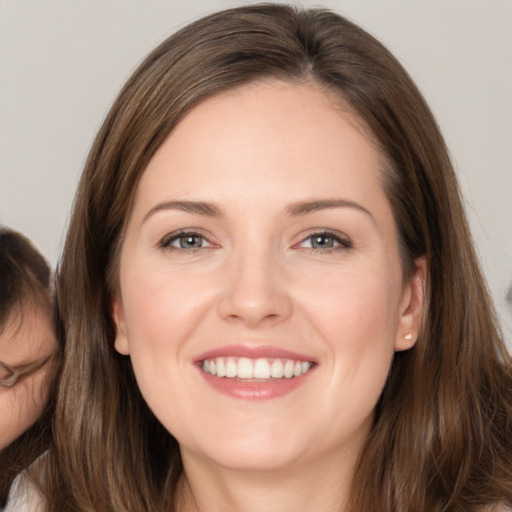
(121, 341)
(411, 307)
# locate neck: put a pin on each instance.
(319, 487)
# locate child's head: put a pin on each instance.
(27, 335)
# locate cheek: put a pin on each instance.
(357, 318)
(162, 308)
(354, 304)
(162, 313)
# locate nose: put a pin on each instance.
(255, 291)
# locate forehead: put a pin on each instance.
(27, 333)
(268, 132)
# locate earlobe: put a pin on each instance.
(121, 340)
(411, 308)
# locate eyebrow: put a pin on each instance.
(195, 207)
(297, 209)
(305, 207)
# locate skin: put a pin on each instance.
(27, 337)
(254, 153)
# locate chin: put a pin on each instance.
(248, 451)
(257, 459)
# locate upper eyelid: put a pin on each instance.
(340, 236)
(184, 231)
(170, 237)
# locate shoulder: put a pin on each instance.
(24, 496)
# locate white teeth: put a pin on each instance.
(261, 369)
(277, 369)
(221, 368)
(230, 367)
(288, 369)
(244, 370)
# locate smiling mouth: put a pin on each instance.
(261, 369)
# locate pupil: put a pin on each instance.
(322, 241)
(190, 241)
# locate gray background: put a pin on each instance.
(62, 62)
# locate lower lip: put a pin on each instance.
(255, 390)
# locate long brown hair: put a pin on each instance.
(441, 439)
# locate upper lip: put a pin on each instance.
(253, 352)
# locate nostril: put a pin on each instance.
(254, 294)
(253, 314)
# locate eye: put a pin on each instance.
(186, 240)
(326, 241)
(8, 376)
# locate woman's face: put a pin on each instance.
(261, 294)
(26, 340)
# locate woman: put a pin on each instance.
(268, 290)
(27, 346)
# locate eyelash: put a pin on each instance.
(343, 242)
(173, 237)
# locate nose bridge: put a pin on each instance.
(255, 290)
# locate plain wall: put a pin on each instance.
(62, 63)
